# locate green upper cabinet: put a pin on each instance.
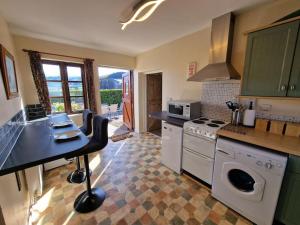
(294, 84)
(269, 59)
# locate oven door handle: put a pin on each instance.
(197, 154)
(201, 137)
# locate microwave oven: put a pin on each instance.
(184, 109)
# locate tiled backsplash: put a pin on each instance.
(214, 94)
(270, 116)
(9, 133)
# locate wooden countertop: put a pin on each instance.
(284, 144)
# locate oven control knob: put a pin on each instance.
(259, 163)
(268, 165)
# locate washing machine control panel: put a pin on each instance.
(266, 164)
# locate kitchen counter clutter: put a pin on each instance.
(284, 144)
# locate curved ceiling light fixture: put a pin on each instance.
(142, 11)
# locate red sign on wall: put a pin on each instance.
(192, 68)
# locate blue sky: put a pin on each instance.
(54, 70)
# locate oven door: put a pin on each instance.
(243, 181)
(198, 165)
(201, 145)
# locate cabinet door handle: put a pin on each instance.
(283, 87)
(292, 87)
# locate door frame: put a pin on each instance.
(155, 74)
(131, 76)
(145, 116)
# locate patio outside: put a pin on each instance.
(111, 97)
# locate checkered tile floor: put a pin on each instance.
(139, 191)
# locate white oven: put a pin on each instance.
(198, 156)
(199, 143)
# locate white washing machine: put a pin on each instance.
(248, 179)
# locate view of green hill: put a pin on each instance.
(111, 81)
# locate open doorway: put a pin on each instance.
(154, 101)
(115, 90)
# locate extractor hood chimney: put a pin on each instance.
(220, 67)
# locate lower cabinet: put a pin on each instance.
(171, 150)
(14, 203)
(288, 209)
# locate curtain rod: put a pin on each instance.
(48, 53)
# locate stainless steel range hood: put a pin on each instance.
(220, 67)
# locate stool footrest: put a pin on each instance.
(77, 176)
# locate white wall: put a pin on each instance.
(14, 204)
(172, 60)
(8, 107)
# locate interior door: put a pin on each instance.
(154, 100)
(127, 97)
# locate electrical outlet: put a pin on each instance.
(265, 107)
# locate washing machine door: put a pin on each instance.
(243, 181)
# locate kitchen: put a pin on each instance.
(237, 153)
(224, 149)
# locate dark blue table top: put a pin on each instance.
(36, 145)
(164, 116)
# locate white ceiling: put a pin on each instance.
(95, 23)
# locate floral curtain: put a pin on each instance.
(89, 76)
(40, 80)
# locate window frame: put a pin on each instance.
(65, 84)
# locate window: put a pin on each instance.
(66, 86)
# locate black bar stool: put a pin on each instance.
(79, 175)
(93, 198)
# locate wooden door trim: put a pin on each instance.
(131, 77)
(129, 99)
